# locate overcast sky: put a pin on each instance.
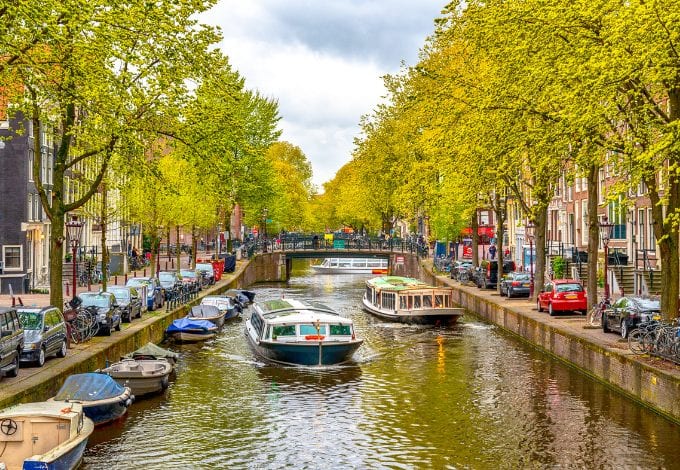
(322, 60)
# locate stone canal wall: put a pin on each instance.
(599, 355)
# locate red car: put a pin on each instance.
(561, 295)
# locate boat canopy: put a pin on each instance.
(282, 306)
(89, 387)
(397, 283)
(152, 350)
(204, 310)
(183, 324)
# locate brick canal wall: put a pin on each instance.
(655, 388)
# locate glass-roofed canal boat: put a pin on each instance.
(409, 300)
(295, 332)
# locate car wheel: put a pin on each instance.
(118, 326)
(538, 306)
(624, 329)
(510, 293)
(605, 323)
(15, 371)
(41, 358)
(551, 312)
(62, 350)
(106, 331)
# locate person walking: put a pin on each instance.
(492, 252)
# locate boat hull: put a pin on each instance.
(434, 316)
(308, 353)
(67, 460)
(217, 320)
(192, 336)
(105, 413)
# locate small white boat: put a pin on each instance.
(209, 313)
(45, 435)
(295, 332)
(352, 266)
(409, 300)
(142, 376)
(224, 304)
(151, 351)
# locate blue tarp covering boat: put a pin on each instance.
(184, 324)
(89, 387)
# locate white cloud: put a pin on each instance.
(322, 61)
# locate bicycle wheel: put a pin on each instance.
(595, 316)
(635, 343)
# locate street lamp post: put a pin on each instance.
(264, 229)
(530, 236)
(605, 233)
(74, 228)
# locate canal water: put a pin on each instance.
(468, 396)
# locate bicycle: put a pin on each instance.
(84, 325)
(638, 341)
(595, 314)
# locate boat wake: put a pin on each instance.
(243, 360)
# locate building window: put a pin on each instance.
(30, 165)
(29, 213)
(11, 257)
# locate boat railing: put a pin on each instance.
(276, 312)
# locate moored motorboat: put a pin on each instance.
(103, 399)
(45, 435)
(295, 332)
(153, 351)
(142, 376)
(191, 330)
(210, 313)
(224, 303)
(409, 300)
(352, 266)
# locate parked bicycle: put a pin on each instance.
(596, 311)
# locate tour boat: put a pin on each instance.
(103, 399)
(143, 376)
(352, 266)
(191, 330)
(46, 435)
(211, 313)
(295, 332)
(409, 300)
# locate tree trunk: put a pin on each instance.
(593, 234)
(474, 225)
(194, 245)
(155, 243)
(541, 217)
(179, 249)
(104, 223)
(56, 261)
(666, 234)
(501, 215)
(227, 229)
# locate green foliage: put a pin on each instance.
(559, 266)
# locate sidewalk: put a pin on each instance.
(43, 300)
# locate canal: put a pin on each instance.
(468, 396)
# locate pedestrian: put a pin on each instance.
(492, 252)
(134, 253)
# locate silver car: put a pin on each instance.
(44, 334)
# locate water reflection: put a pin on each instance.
(418, 397)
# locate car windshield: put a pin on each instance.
(204, 267)
(188, 273)
(521, 277)
(168, 277)
(137, 282)
(30, 320)
(648, 304)
(95, 300)
(121, 294)
(575, 287)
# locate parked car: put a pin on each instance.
(171, 283)
(154, 290)
(11, 342)
(560, 295)
(487, 275)
(459, 267)
(628, 312)
(516, 284)
(129, 302)
(192, 278)
(44, 333)
(108, 312)
(208, 272)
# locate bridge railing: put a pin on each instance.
(311, 243)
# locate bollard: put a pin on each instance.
(68, 291)
(144, 272)
(115, 280)
(125, 278)
(89, 285)
(14, 301)
(166, 265)
(172, 264)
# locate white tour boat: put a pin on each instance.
(353, 266)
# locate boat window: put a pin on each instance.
(416, 301)
(427, 301)
(345, 263)
(283, 330)
(403, 302)
(340, 330)
(389, 301)
(257, 323)
(311, 330)
(439, 301)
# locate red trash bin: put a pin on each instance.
(218, 267)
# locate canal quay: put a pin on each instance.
(466, 396)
